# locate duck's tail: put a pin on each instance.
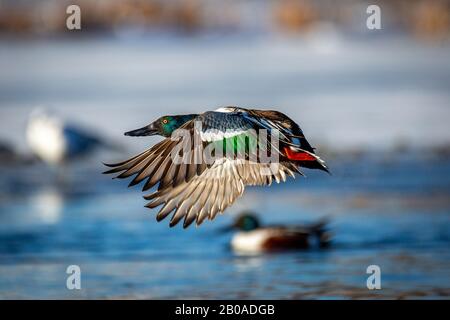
(321, 231)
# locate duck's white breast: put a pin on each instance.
(250, 242)
(46, 139)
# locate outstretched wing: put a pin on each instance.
(214, 190)
(291, 134)
(156, 165)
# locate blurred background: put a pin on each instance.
(375, 103)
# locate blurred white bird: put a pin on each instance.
(55, 142)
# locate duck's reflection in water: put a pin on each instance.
(247, 263)
(47, 206)
(43, 207)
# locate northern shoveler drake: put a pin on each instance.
(54, 141)
(206, 160)
(254, 238)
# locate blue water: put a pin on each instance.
(395, 215)
(388, 207)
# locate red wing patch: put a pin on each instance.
(298, 156)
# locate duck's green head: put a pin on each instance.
(163, 126)
(247, 222)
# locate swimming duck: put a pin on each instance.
(198, 177)
(253, 238)
(54, 141)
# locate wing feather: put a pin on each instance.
(141, 164)
(205, 205)
(124, 165)
(210, 193)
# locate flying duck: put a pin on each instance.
(254, 238)
(206, 160)
(55, 141)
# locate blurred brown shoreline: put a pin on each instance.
(424, 20)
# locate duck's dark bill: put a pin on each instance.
(149, 130)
